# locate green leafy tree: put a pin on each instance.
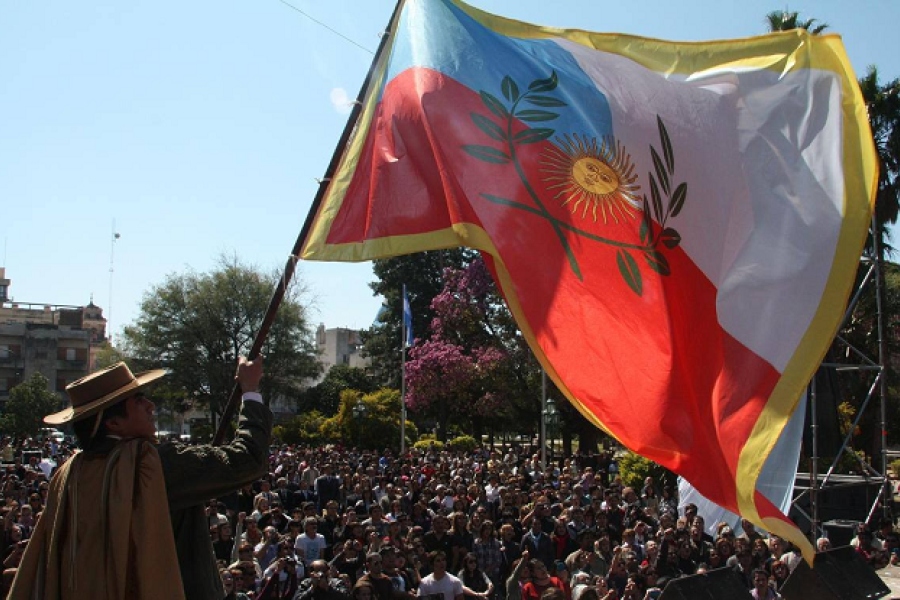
(29, 402)
(326, 395)
(302, 429)
(108, 355)
(379, 425)
(197, 325)
(634, 469)
(883, 104)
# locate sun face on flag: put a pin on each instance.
(591, 177)
(582, 175)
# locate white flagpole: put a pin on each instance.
(403, 372)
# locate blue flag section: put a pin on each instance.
(407, 321)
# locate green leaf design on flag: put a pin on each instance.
(489, 127)
(657, 199)
(510, 89)
(657, 261)
(646, 222)
(487, 154)
(536, 115)
(531, 136)
(494, 105)
(666, 145)
(676, 203)
(544, 85)
(660, 170)
(670, 238)
(630, 272)
(546, 101)
(661, 180)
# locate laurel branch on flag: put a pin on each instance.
(596, 178)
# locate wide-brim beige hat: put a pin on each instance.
(91, 394)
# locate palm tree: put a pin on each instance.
(783, 20)
(883, 106)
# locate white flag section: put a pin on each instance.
(776, 482)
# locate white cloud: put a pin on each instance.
(341, 101)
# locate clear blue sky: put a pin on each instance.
(200, 127)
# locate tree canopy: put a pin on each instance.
(326, 395)
(196, 325)
(783, 20)
(29, 402)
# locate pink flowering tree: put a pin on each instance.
(473, 368)
(459, 375)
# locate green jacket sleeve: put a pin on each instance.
(196, 474)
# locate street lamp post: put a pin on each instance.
(551, 420)
(543, 419)
(359, 413)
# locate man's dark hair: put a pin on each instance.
(84, 427)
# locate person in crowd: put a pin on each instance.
(228, 586)
(363, 591)
(267, 550)
(541, 580)
(439, 583)
(761, 588)
(381, 584)
(869, 548)
(321, 585)
(311, 544)
(281, 579)
(538, 543)
(519, 576)
(476, 584)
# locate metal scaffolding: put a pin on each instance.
(863, 364)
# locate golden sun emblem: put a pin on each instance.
(589, 176)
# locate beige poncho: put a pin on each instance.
(105, 533)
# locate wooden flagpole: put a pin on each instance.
(290, 266)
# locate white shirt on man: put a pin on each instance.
(448, 585)
(310, 548)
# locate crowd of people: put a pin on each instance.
(333, 523)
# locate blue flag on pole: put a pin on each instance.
(407, 321)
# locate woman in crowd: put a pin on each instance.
(541, 581)
(778, 574)
(461, 540)
(563, 545)
(476, 584)
(487, 551)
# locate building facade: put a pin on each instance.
(57, 341)
(339, 346)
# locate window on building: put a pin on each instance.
(70, 353)
(4, 385)
(4, 351)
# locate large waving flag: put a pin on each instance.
(675, 226)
